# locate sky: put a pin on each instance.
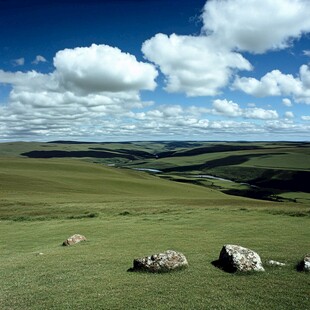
(133, 70)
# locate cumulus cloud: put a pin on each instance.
(78, 95)
(101, 68)
(227, 108)
(176, 121)
(203, 65)
(288, 19)
(259, 113)
(289, 114)
(38, 59)
(287, 102)
(193, 65)
(95, 91)
(187, 126)
(31, 80)
(232, 109)
(275, 83)
(287, 127)
(305, 117)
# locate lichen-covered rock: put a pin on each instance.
(305, 263)
(161, 262)
(74, 239)
(275, 263)
(237, 258)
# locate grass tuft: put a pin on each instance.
(125, 213)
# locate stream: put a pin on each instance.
(207, 176)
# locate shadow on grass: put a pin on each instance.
(232, 270)
(154, 271)
(300, 267)
(217, 263)
(76, 154)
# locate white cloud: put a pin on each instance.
(203, 65)
(193, 65)
(76, 117)
(289, 114)
(256, 26)
(227, 108)
(194, 115)
(30, 80)
(95, 91)
(305, 117)
(18, 61)
(306, 52)
(38, 59)
(101, 68)
(271, 84)
(275, 83)
(232, 109)
(287, 102)
(286, 127)
(78, 97)
(304, 73)
(259, 113)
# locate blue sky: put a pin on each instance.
(121, 70)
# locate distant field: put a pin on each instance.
(264, 170)
(126, 214)
(27, 185)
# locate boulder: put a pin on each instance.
(161, 262)
(74, 239)
(304, 265)
(237, 258)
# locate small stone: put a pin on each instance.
(275, 263)
(307, 262)
(161, 262)
(304, 265)
(74, 239)
(237, 258)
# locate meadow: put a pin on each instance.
(126, 214)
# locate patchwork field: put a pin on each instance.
(126, 214)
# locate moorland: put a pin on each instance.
(133, 199)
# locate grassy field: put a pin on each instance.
(126, 214)
(93, 275)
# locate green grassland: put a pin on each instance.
(30, 186)
(126, 214)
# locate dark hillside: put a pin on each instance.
(75, 154)
(208, 149)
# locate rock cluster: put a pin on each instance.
(74, 239)
(232, 258)
(161, 262)
(237, 258)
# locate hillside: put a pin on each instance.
(35, 186)
(264, 170)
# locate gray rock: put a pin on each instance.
(161, 262)
(305, 263)
(74, 239)
(275, 263)
(237, 258)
